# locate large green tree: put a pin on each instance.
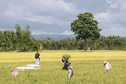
(23, 38)
(1, 39)
(18, 36)
(85, 27)
(26, 38)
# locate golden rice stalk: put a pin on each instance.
(66, 56)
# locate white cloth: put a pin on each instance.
(32, 65)
(107, 66)
(29, 66)
(22, 68)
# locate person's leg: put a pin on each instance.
(108, 70)
(70, 75)
(64, 66)
(105, 71)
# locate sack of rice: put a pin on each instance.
(37, 55)
(66, 56)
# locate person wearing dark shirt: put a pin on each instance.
(65, 63)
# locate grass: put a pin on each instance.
(88, 67)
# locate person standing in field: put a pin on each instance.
(65, 59)
(65, 63)
(37, 57)
(107, 66)
(70, 70)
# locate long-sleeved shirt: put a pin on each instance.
(107, 66)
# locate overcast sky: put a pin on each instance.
(55, 16)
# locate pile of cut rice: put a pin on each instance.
(66, 56)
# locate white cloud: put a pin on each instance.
(112, 21)
(67, 33)
(113, 6)
(42, 11)
(52, 33)
(52, 5)
(39, 32)
(2, 29)
(116, 30)
(123, 5)
(103, 15)
(41, 19)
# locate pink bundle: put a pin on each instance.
(15, 73)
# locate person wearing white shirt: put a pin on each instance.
(107, 66)
(37, 57)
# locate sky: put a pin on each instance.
(55, 16)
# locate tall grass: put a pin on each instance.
(88, 68)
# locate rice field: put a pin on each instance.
(87, 67)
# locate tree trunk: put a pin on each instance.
(85, 45)
(95, 45)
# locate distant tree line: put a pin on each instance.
(103, 43)
(22, 40)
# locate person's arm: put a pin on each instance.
(72, 72)
(62, 60)
(110, 65)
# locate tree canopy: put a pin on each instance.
(86, 27)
